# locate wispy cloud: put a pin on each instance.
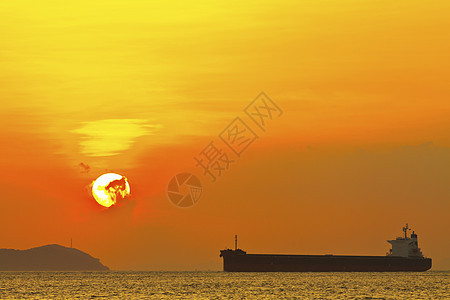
(85, 167)
(112, 136)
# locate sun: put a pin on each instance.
(109, 188)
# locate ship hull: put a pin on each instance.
(237, 262)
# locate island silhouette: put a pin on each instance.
(49, 258)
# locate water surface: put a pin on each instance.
(221, 285)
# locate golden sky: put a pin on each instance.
(141, 87)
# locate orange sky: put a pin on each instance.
(141, 87)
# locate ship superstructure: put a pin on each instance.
(405, 246)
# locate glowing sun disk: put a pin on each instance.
(109, 188)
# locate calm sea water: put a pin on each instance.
(221, 285)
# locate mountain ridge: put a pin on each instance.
(51, 257)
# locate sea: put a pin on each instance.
(223, 285)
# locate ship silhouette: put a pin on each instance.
(405, 256)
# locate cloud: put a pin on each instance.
(112, 136)
(85, 167)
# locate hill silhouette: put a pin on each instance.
(49, 258)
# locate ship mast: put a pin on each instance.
(405, 230)
(235, 242)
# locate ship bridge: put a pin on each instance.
(405, 246)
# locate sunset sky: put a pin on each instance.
(140, 88)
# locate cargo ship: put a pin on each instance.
(404, 256)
